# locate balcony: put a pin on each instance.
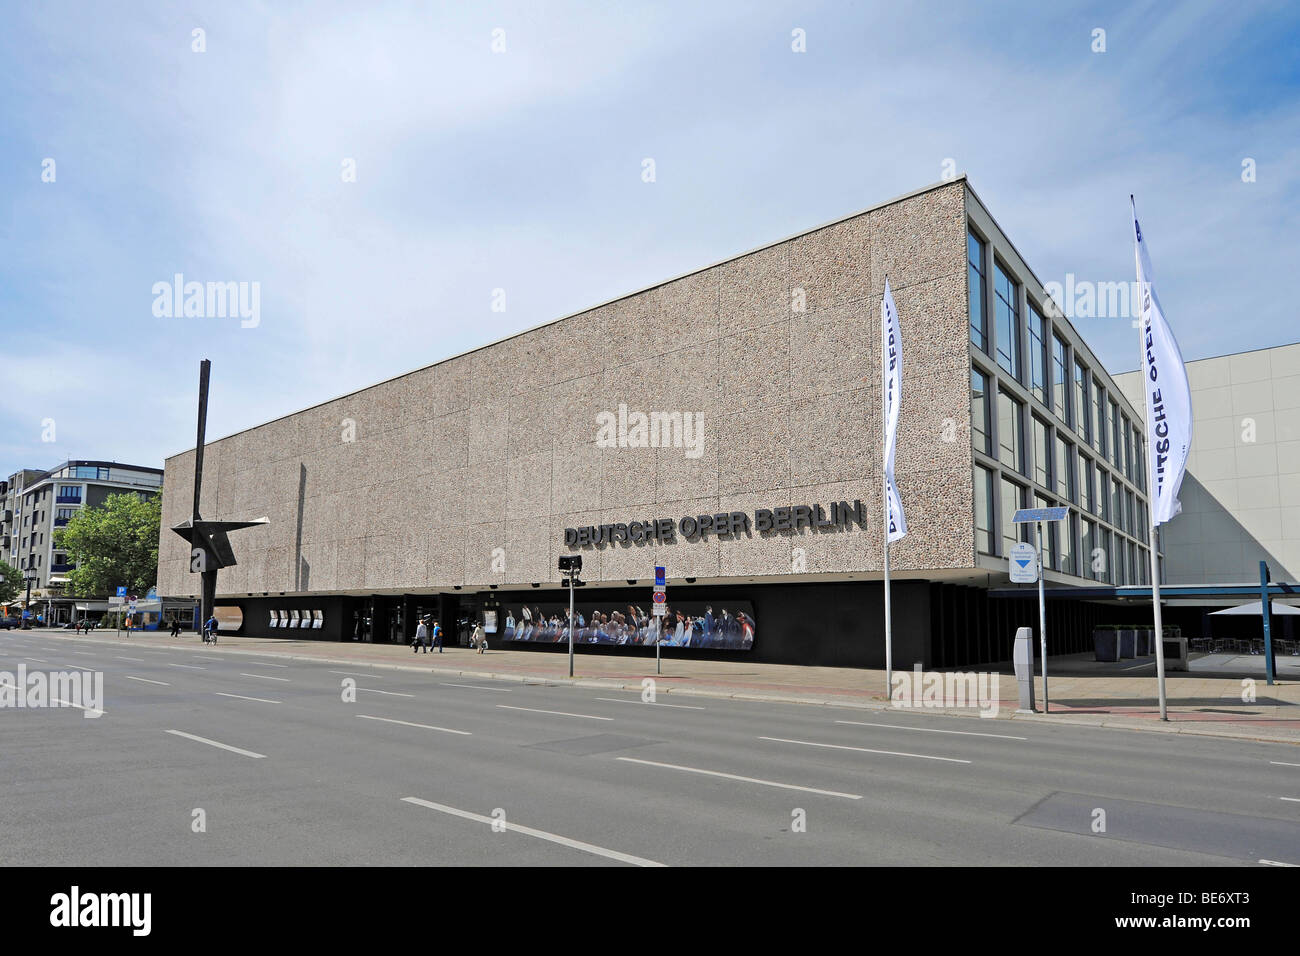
(69, 499)
(60, 522)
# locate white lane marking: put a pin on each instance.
(929, 730)
(386, 693)
(1276, 863)
(283, 680)
(732, 776)
(93, 711)
(499, 690)
(260, 700)
(407, 723)
(620, 700)
(1290, 799)
(138, 660)
(216, 743)
(865, 750)
(264, 664)
(1279, 763)
(39, 660)
(557, 713)
(193, 667)
(145, 680)
(350, 674)
(539, 834)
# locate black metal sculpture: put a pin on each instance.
(210, 549)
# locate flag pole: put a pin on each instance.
(884, 501)
(1151, 509)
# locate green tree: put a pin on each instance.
(115, 544)
(12, 584)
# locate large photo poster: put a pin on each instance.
(727, 625)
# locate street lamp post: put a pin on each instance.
(29, 577)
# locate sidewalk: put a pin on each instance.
(1207, 702)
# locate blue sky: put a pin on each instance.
(521, 170)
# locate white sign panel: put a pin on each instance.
(1022, 563)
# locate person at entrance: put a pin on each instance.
(478, 640)
(421, 637)
(437, 636)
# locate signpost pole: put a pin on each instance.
(1266, 611)
(572, 575)
(1155, 608)
(1042, 611)
(661, 582)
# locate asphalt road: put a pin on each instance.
(414, 772)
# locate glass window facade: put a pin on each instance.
(1064, 469)
(981, 437)
(983, 482)
(1085, 484)
(1099, 418)
(1037, 355)
(1011, 435)
(1060, 381)
(1006, 303)
(1013, 499)
(1087, 549)
(976, 273)
(1065, 540)
(1082, 402)
(1042, 453)
(1128, 449)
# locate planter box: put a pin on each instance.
(1142, 646)
(1105, 645)
(1127, 644)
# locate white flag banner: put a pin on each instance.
(891, 357)
(1168, 396)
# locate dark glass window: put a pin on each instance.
(979, 325)
(979, 412)
(1082, 403)
(983, 481)
(1011, 433)
(1060, 380)
(1006, 302)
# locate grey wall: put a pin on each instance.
(1241, 496)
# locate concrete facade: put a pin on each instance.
(496, 449)
(1241, 493)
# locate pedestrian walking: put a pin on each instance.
(479, 639)
(421, 637)
(437, 636)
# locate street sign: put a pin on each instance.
(113, 599)
(659, 610)
(1022, 562)
(660, 580)
(121, 591)
(659, 597)
(1029, 515)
